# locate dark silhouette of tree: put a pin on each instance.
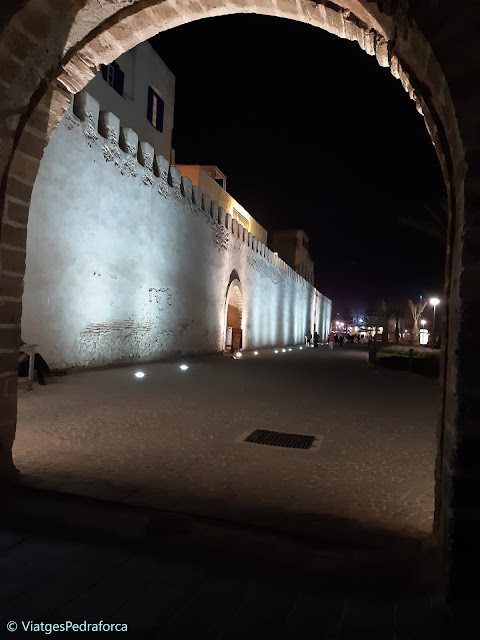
(373, 317)
(398, 315)
(432, 222)
(417, 310)
(347, 315)
(387, 313)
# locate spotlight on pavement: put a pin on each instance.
(139, 374)
(289, 349)
(183, 367)
(255, 353)
(276, 350)
(301, 347)
(284, 351)
(239, 354)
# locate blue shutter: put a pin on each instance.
(160, 110)
(150, 104)
(118, 77)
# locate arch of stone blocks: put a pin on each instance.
(50, 48)
(234, 298)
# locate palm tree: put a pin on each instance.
(431, 222)
(386, 315)
(397, 314)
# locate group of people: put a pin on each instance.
(308, 339)
(332, 338)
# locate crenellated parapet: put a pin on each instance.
(136, 159)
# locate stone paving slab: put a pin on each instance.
(170, 440)
(161, 594)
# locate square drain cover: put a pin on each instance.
(279, 439)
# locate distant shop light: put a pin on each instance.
(423, 336)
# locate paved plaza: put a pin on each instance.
(173, 440)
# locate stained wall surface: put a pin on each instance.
(124, 264)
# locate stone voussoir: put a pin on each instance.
(17, 212)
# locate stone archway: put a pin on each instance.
(49, 49)
(233, 326)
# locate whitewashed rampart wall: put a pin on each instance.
(125, 261)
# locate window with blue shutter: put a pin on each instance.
(114, 76)
(155, 109)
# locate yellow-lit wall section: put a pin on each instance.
(208, 185)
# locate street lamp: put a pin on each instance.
(434, 302)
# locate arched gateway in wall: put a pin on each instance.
(51, 49)
(233, 315)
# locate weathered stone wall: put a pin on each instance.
(125, 261)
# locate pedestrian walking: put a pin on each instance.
(330, 340)
(308, 338)
(341, 339)
(316, 340)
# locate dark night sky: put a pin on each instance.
(312, 134)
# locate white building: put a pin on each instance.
(139, 89)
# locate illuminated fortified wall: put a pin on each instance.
(127, 262)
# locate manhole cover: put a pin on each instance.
(279, 439)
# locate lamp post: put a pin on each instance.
(434, 302)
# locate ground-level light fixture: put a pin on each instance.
(301, 347)
(183, 367)
(255, 353)
(289, 349)
(276, 350)
(139, 374)
(284, 351)
(239, 354)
